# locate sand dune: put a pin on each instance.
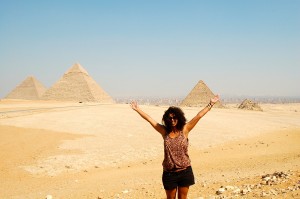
(93, 150)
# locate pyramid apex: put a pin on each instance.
(30, 77)
(77, 68)
(201, 81)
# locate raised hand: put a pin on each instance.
(134, 105)
(215, 99)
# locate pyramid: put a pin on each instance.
(77, 85)
(200, 96)
(29, 89)
(250, 105)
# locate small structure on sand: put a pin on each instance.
(250, 105)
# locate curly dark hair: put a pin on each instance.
(181, 120)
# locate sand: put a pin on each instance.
(72, 150)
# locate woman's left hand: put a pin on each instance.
(214, 99)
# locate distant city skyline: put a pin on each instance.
(155, 48)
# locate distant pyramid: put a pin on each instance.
(250, 105)
(77, 85)
(200, 96)
(29, 89)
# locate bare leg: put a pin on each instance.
(182, 192)
(171, 194)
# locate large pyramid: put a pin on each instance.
(200, 96)
(77, 85)
(29, 89)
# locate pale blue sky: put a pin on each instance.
(155, 48)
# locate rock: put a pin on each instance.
(264, 194)
(283, 191)
(220, 191)
(272, 191)
(236, 191)
(263, 182)
(49, 197)
(125, 191)
(229, 188)
(245, 191)
(266, 178)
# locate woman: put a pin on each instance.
(177, 171)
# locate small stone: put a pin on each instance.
(125, 191)
(258, 186)
(272, 191)
(229, 188)
(283, 191)
(220, 191)
(236, 191)
(263, 183)
(264, 194)
(49, 197)
(244, 191)
(266, 178)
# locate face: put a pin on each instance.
(173, 119)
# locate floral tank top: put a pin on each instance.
(176, 153)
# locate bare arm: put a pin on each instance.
(158, 127)
(191, 124)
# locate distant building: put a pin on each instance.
(200, 96)
(29, 89)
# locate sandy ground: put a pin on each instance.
(70, 150)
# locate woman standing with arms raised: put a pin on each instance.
(177, 171)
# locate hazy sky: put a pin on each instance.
(155, 48)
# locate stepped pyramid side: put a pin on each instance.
(200, 96)
(97, 92)
(29, 89)
(77, 85)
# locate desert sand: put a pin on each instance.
(90, 150)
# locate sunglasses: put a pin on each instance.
(172, 118)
